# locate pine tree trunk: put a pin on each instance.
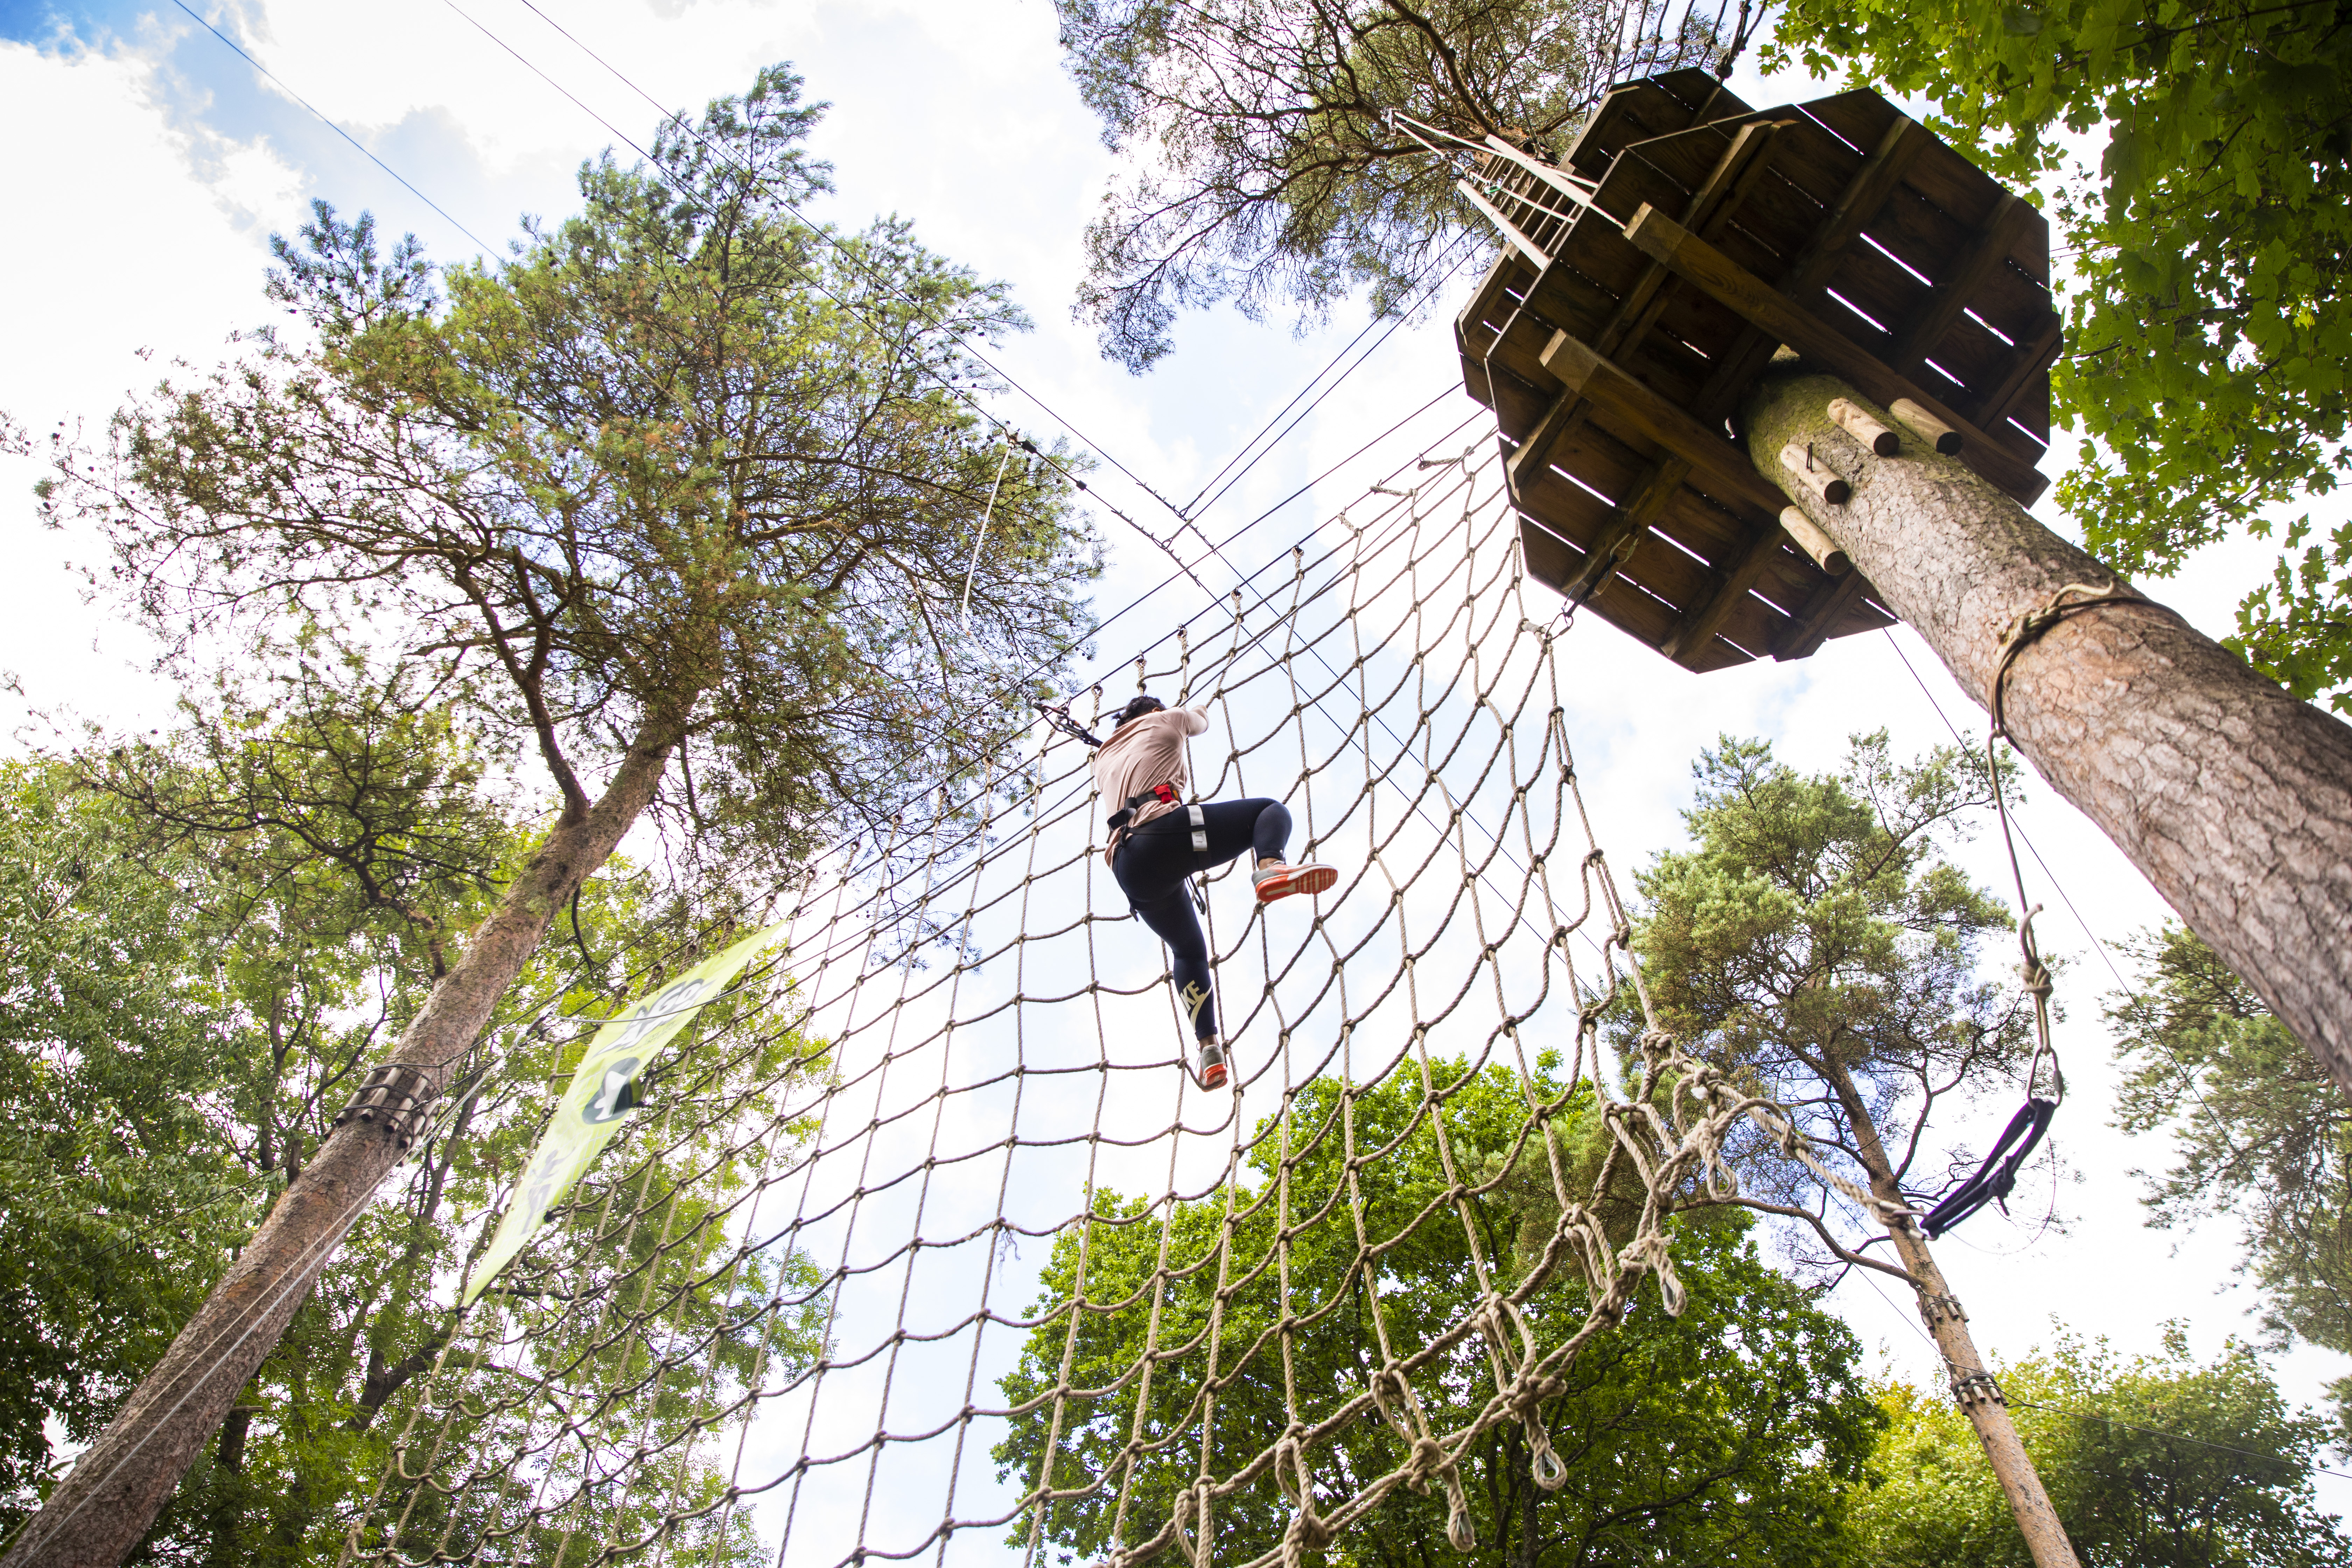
(1972, 1385)
(114, 1490)
(2230, 797)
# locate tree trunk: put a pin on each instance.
(1972, 1387)
(111, 1495)
(2230, 797)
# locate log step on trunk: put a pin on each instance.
(2230, 797)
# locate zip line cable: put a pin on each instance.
(1223, 490)
(1393, 323)
(820, 230)
(338, 129)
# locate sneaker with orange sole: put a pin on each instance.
(1213, 1063)
(1279, 881)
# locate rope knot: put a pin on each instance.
(1425, 1463)
(1193, 1504)
(1306, 1531)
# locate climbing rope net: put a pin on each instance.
(930, 1245)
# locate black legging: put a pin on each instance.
(1151, 867)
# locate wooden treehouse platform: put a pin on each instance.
(1648, 280)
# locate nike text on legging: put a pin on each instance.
(1151, 867)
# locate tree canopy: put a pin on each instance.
(2154, 1460)
(2209, 325)
(1815, 942)
(684, 472)
(1724, 1436)
(1262, 165)
(212, 931)
(2259, 1133)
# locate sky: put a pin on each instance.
(154, 162)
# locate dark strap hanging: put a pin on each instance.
(1995, 1178)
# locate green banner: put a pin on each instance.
(602, 1093)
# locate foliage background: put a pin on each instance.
(157, 141)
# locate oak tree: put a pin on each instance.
(234, 913)
(2259, 1133)
(1729, 1434)
(2155, 1460)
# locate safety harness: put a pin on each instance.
(1165, 794)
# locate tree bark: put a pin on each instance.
(2230, 797)
(106, 1503)
(1973, 1386)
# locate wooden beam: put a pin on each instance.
(1712, 205)
(1615, 544)
(1718, 197)
(1492, 290)
(1986, 255)
(1804, 636)
(2033, 357)
(1559, 422)
(1875, 181)
(1779, 318)
(1632, 405)
(1698, 626)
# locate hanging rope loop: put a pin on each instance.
(1194, 1531)
(1525, 1389)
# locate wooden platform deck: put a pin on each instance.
(1646, 281)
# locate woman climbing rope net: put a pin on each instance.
(1157, 841)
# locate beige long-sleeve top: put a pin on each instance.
(1141, 754)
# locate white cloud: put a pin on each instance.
(139, 241)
